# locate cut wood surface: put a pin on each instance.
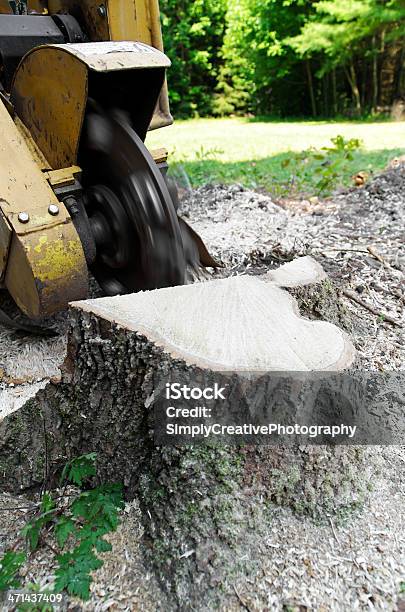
(297, 273)
(233, 324)
(27, 359)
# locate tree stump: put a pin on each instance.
(200, 501)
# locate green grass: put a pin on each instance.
(252, 151)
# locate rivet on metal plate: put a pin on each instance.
(53, 210)
(23, 217)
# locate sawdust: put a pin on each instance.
(13, 397)
(358, 239)
(356, 565)
(26, 358)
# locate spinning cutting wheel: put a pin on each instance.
(133, 220)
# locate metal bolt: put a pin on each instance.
(23, 217)
(71, 204)
(53, 210)
(102, 11)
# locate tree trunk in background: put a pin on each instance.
(381, 53)
(399, 88)
(352, 78)
(364, 86)
(334, 92)
(311, 87)
(325, 91)
(389, 73)
(375, 76)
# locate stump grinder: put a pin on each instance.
(81, 83)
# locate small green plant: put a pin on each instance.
(9, 567)
(402, 587)
(202, 153)
(206, 161)
(322, 169)
(78, 527)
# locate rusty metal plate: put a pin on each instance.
(46, 270)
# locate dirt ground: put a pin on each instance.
(358, 564)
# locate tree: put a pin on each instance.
(193, 35)
(259, 67)
(284, 57)
(348, 34)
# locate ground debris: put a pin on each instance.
(358, 239)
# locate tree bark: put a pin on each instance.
(375, 76)
(352, 78)
(325, 91)
(380, 75)
(334, 93)
(399, 87)
(311, 87)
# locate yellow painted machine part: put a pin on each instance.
(39, 6)
(5, 8)
(50, 91)
(131, 20)
(52, 108)
(35, 151)
(46, 267)
(125, 20)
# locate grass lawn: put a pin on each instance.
(263, 152)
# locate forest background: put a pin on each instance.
(285, 58)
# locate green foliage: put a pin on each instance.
(9, 567)
(324, 169)
(257, 56)
(32, 530)
(200, 176)
(193, 33)
(283, 57)
(339, 29)
(79, 528)
(73, 573)
(254, 152)
(79, 469)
